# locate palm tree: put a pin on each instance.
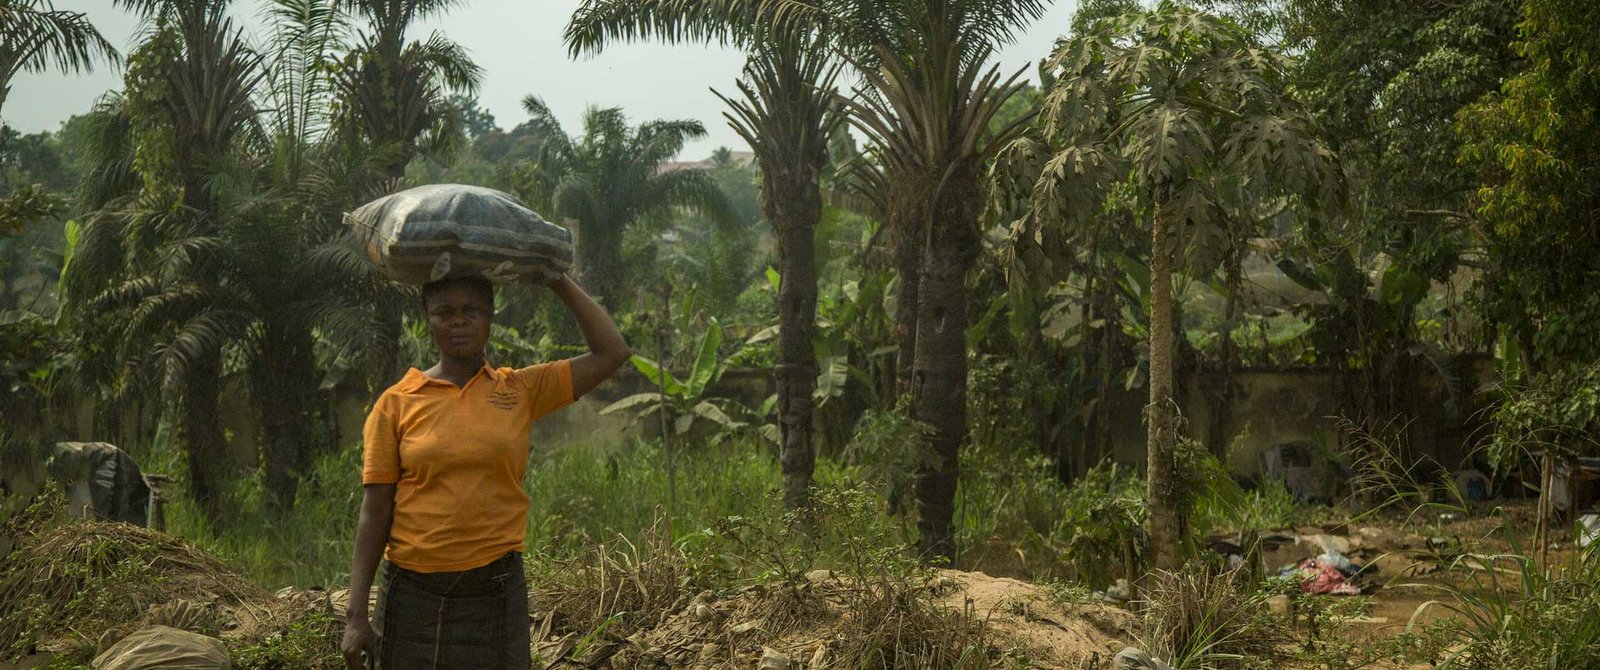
(35, 36)
(187, 106)
(1193, 115)
(786, 111)
(929, 97)
(395, 93)
(241, 266)
(610, 178)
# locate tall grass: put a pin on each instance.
(1515, 615)
(308, 546)
(581, 495)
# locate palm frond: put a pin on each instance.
(448, 60)
(597, 22)
(34, 37)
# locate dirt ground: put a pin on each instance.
(829, 619)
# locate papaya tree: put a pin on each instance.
(1188, 115)
(786, 111)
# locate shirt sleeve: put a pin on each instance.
(380, 445)
(548, 385)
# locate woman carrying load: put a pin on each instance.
(444, 456)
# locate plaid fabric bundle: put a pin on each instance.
(451, 230)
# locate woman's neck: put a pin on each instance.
(457, 371)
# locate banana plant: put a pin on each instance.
(687, 402)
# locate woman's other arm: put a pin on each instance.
(372, 534)
(607, 350)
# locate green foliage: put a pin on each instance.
(609, 179)
(588, 493)
(33, 359)
(393, 92)
(685, 402)
(888, 447)
(1101, 527)
(1193, 114)
(310, 642)
(26, 205)
(306, 549)
(1519, 616)
(1534, 145)
(35, 37)
(1556, 411)
(1227, 507)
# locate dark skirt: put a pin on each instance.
(471, 620)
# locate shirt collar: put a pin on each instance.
(415, 379)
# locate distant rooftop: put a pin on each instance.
(743, 159)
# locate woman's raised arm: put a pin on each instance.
(607, 350)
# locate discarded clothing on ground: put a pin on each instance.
(453, 230)
(1328, 574)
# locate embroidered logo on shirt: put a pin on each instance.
(503, 399)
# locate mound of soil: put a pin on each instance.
(1055, 633)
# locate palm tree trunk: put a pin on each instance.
(939, 376)
(906, 224)
(1161, 483)
(283, 379)
(794, 205)
(600, 268)
(201, 433)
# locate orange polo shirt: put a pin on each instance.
(456, 456)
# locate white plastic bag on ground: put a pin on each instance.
(155, 647)
(451, 230)
(1134, 659)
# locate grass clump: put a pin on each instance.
(616, 587)
(1537, 618)
(1197, 618)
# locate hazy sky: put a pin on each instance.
(518, 45)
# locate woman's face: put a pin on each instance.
(458, 318)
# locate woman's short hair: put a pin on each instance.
(478, 284)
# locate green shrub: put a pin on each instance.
(311, 642)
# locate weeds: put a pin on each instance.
(1101, 527)
(1540, 619)
(1198, 619)
(1385, 479)
(311, 642)
(619, 584)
